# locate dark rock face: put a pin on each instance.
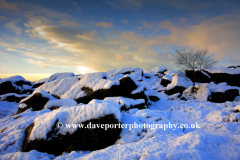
(199, 77)
(7, 87)
(138, 106)
(231, 67)
(13, 98)
(163, 71)
(153, 98)
(82, 139)
(220, 97)
(230, 79)
(165, 82)
(176, 89)
(127, 85)
(36, 102)
(20, 83)
(38, 85)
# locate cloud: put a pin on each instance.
(12, 26)
(145, 25)
(83, 69)
(29, 14)
(35, 22)
(5, 5)
(2, 17)
(65, 22)
(77, 7)
(104, 24)
(87, 36)
(73, 47)
(124, 21)
(221, 35)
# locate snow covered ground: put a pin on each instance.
(175, 129)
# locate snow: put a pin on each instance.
(60, 76)
(71, 115)
(3, 97)
(22, 105)
(60, 103)
(120, 101)
(8, 108)
(223, 70)
(12, 79)
(201, 95)
(42, 92)
(167, 77)
(221, 87)
(95, 81)
(123, 70)
(237, 108)
(172, 73)
(41, 81)
(158, 69)
(217, 138)
(59, 87)
(71, 87)
(237, 98)
(179, 80)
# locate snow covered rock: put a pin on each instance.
(39, 83)
(60, 130)
(179, 83)
(54, 104)
(13, 97)
(15, 84)
(123, 87)
(237, 98)
(153, 98)
(123, 103)
(221, 97)
(93, 86)
(158, 69)
(201, 93)
(223, 74)
(60, 76)
(36, 101)
(200, 76)
(166, 80)
(236, 109)
(124, 70)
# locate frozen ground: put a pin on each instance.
(216, 134)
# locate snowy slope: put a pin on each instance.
(214, 135)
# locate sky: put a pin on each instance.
(39, 38)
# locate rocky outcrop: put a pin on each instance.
(35, 101)
(153, 98)
(15, 84)
(49, 133)
(199, 77)
(85, 139)
(36, 85)
(176, 89)
(13, 97)
(127, 85)
(165, 82)
(221, 97)
(7, 87)
(230, 79)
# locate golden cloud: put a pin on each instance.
(12, 26)
(104, 24)
(5, 5)
(65, 22)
